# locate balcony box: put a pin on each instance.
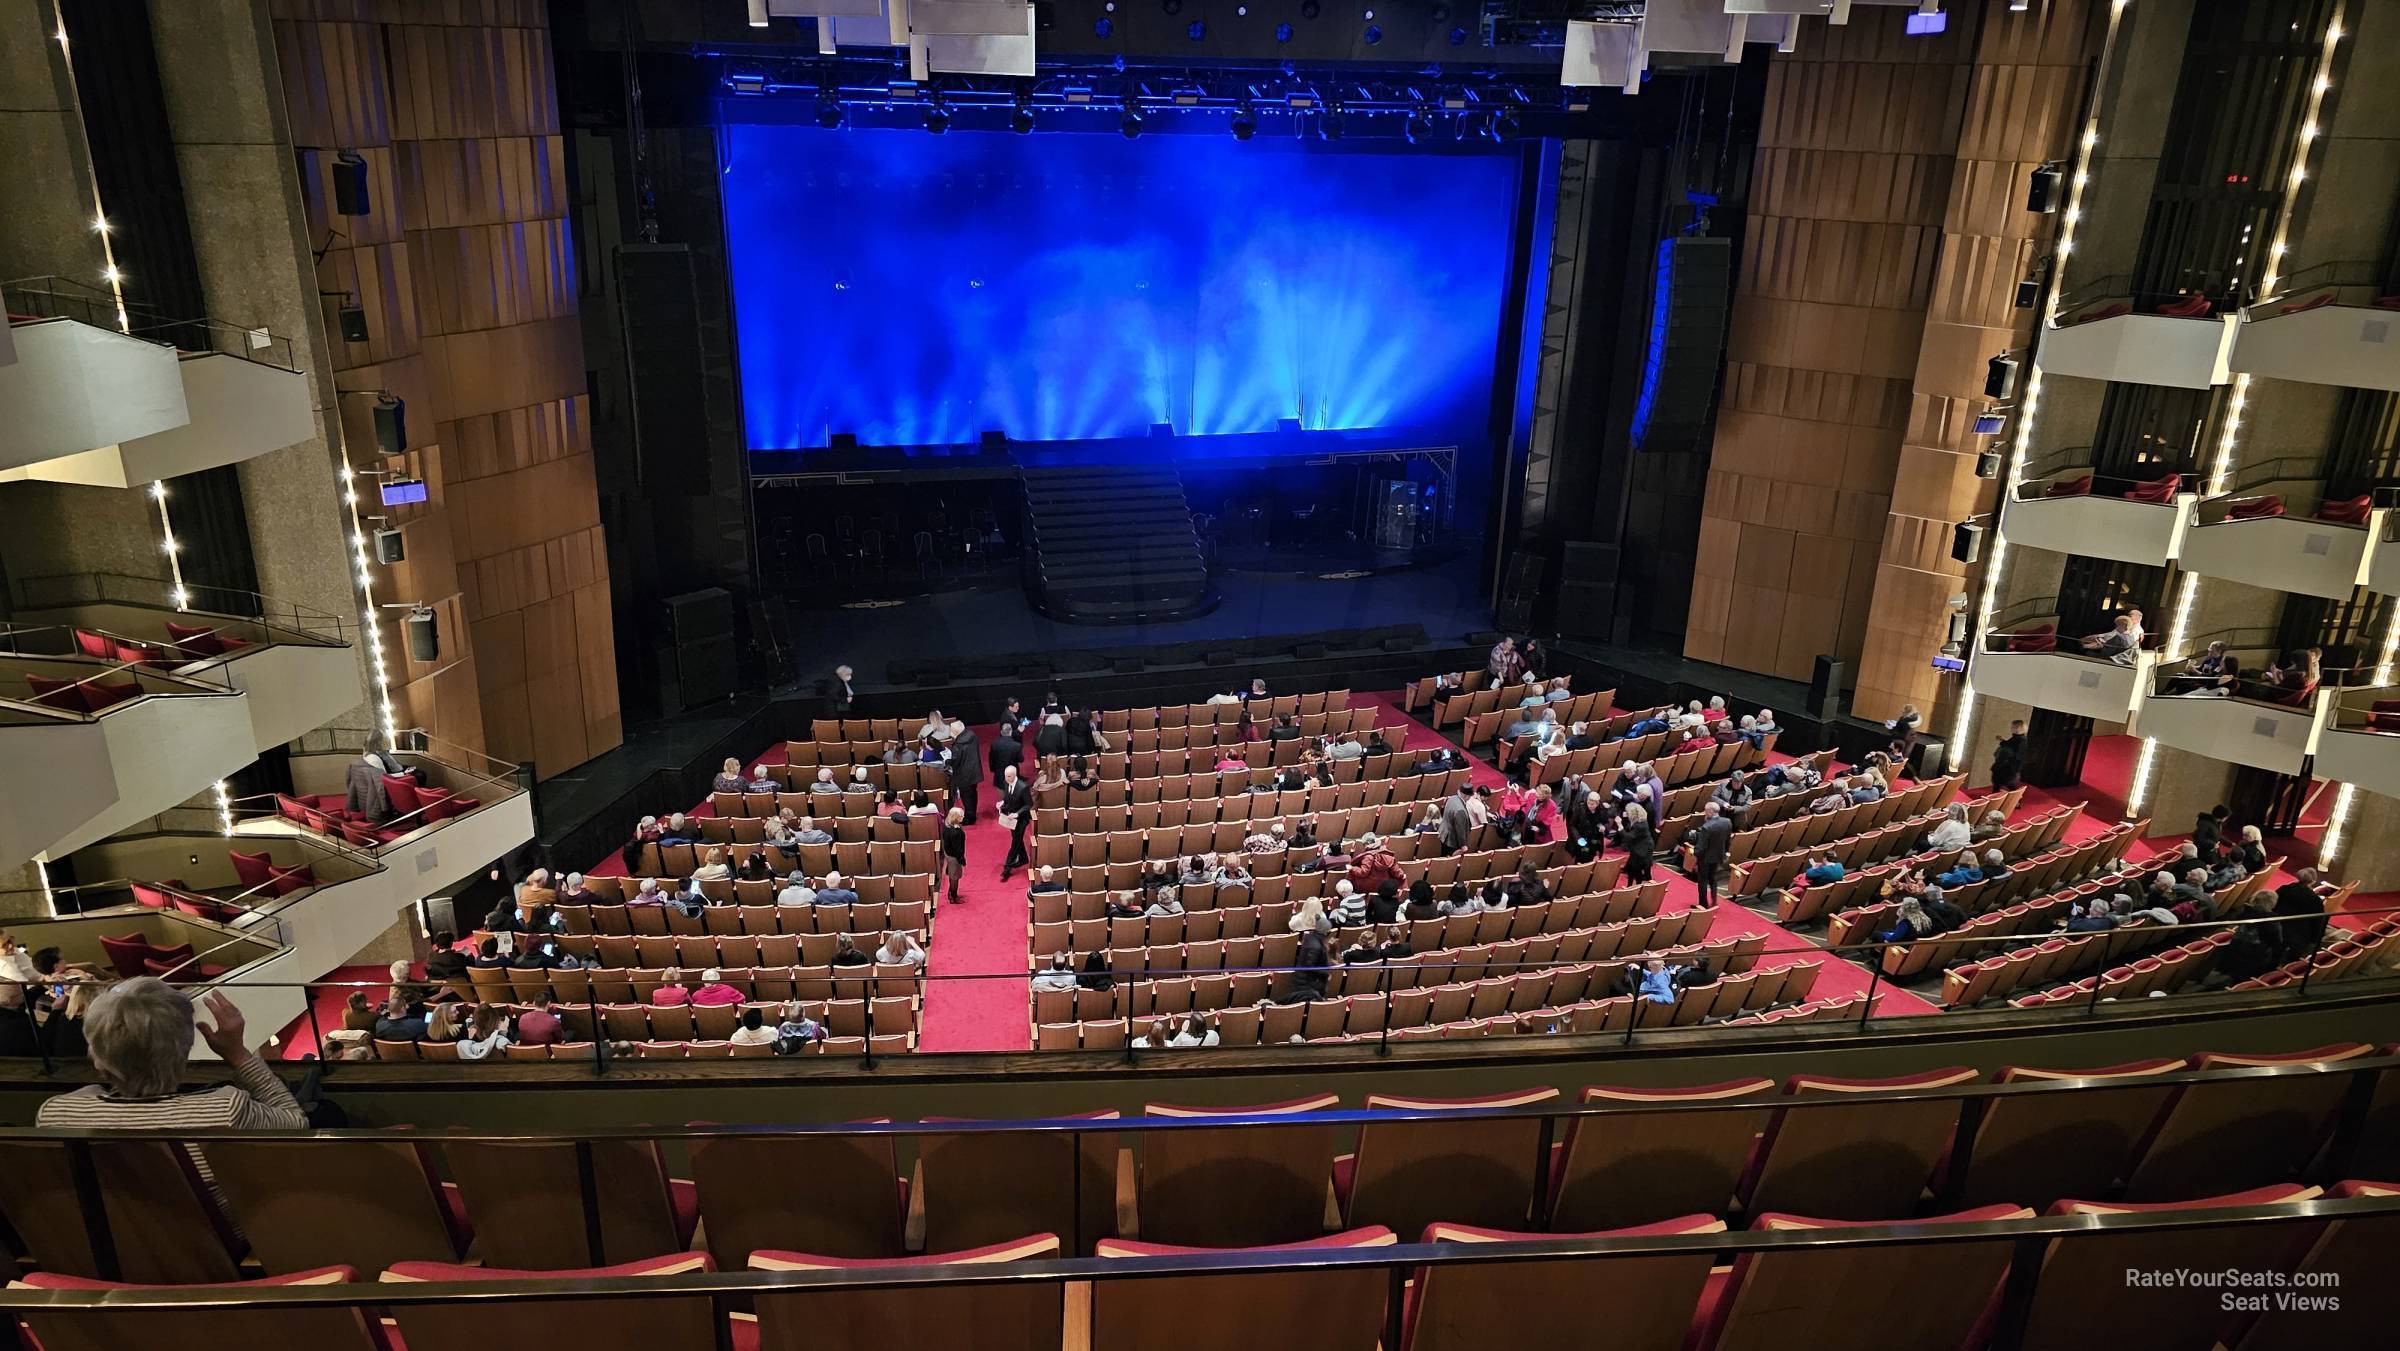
(2044, 515)
(2243, 539)
(2275, 737)
(2326, 336)
(169, 743)
(435, 849)
(77, 387)
(54, 776)
(2070, 682)
(240, 409)
(2140, 349)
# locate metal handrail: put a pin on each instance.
(52, 297)
(2119, 286)
(63, 590)
(2339, 273)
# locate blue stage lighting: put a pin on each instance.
(1196, 30)
(1374, 34)
(1123, 283)
(829, 111)
(937, 118)
(1102, 28)
(1283, 32)
(1245, 123)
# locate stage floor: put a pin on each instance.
(992, 617)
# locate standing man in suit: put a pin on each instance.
(966, 766)
(2008, 758)
(1458, 820)
(841, 691)
(1712, 851)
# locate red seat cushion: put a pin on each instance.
(2255, 508)
(148, 896)
(401, 792)
(2301, 306)
(195, 639)
(93, 644)
(254, 870)
(2160, 489)
(64, 694)
(2110, 310)
(285, 881)
(146, 654)
(105, 694)
(2040, 638)
(2190, 307)
(130, 954)
(2069, 487)
(2347, 510)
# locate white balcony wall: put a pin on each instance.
(2351, 345)
(55, 775)
(2142, 349)
(239, 410)
(2283, 553)
(2088, 687)
(2099, 527)
(2239, 731)
(75, 387)
(2370, 760)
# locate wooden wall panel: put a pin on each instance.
(1886, 237)
(466, 271)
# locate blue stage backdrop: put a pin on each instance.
(915, 289)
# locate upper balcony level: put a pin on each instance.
(2334, 324)
(2106, 331)
(2279, 530)
(445, 816)
(2066, 506)
(2028, 660)
(2237, 698)
(89, 747)
(113, 399)
(299, 665)
(2360, 742)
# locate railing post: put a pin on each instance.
(1130, 1057)
(1542, 1173)
(1383, 983)
(33, 1025)
(866, 1060)
(85, 1173)
(2315, 946)
(1395, 1305)
(1874, 983)
(599, 1032)
(315, 1030)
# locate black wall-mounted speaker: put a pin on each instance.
(1825, 688)
(353, 322)
(390, 546)
(350, 185)
(2046, 188)
(391, 424)
(1966, 541)
(2000, 376)
(424, 635)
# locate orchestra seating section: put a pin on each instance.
(1715, 1216)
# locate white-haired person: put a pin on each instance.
(140, 1034)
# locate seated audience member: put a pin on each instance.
(900, 948)
(447, 1022)
(1822, 870)
(2293, 680)
(846, 953)
(714, 992)
(730, 779)
(1309, 917)
(1058, 976)
(1096, 973)
(1045, 878)
(1945, 916)
(797, 1032)
(2090, 916)
(1163, 902)
(485, 1034)
(1910, 924)
(2118, 641)
(1993, 825)
(808, 832)
(680, 829)
(539, 1026)
(1349, 907)
(753, 867)
(835, 891)
(2214, 674)
(796, 891)
(1461, 901)
(445, 962)
(2192, 890)
(488, 956)
(1421, 902)
(1195, 1032)
(402, 1018)
(1656, 983)
(1995, 865)
(1868, 787)
(1383, 903)
(358, 1013)
(1952, 833)
(2253, 850)
(754, 1031)
(139, 1034)
(672, 992)
(1968, 869)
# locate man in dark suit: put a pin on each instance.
(2008, 758)
(840, 691)
(966, 767)
(1712, 850)
(2303, 912)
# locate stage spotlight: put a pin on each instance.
(937, 117)
(1374, 34)
(1283, 32)
(1245, 123)
(829, 112)
(1195, 30)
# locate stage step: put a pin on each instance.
(1111, 544)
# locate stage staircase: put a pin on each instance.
(1111, 544)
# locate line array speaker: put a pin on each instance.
(1689, 300)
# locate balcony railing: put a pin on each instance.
(62, 298)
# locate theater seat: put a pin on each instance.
(2078, 486)
(367, 1204)
(2083, 1299)
(254, 870)
(2039, 638)
(2038, 1148)
(526, 1199)
(201, 1329)
(2347, 510)
(2189, 307)
(1555, 1306)
(1648, 1167)
(164, 1228)
(2241, 1132)
(835, 1195)
(2255, 508)
(1929, 1295)
(1330, 1310)
(595, 1325)
(2364, 1317)
(1017, 1317)
(1239, 1186)
(2160, 489)
(1855, 1162)
(972, 1186)
(1408, 1174)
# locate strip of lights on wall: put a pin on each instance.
(2031, 401)
(114, 278)
(2229, 438)
(387, 716)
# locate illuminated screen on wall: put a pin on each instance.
(913, 289)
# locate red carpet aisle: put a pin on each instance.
(986, 937)
(1837, 978)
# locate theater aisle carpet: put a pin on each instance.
(299, 1041)
(1838, 976)
(978, 996)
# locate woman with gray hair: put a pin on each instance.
(140, 1033)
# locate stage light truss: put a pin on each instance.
(1464, 101)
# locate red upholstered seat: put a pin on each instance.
(2190, 307)
(1235, 1186)
(146, 654)
(597, 1325)
(98, 645)
(1026, 1317)
(254, 870)
(129, 954)
(2160, 489)
(285, 881)
(1806, 1157)
(2255, 508)
(1924, 1294)
(183, 971)
(147, 896)
(199, 640)
(2302, 306)
(1645, 1168)
(1408, 1174)
(203, 908)
(1342, 1310)
(1539, 1304)
(2039, 638)
(199, 1328)
(2391, 302)
(2111, 310)
(2347, 510)
(101, 695)
(2077, 486)
(64, 694)
(401, 792)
